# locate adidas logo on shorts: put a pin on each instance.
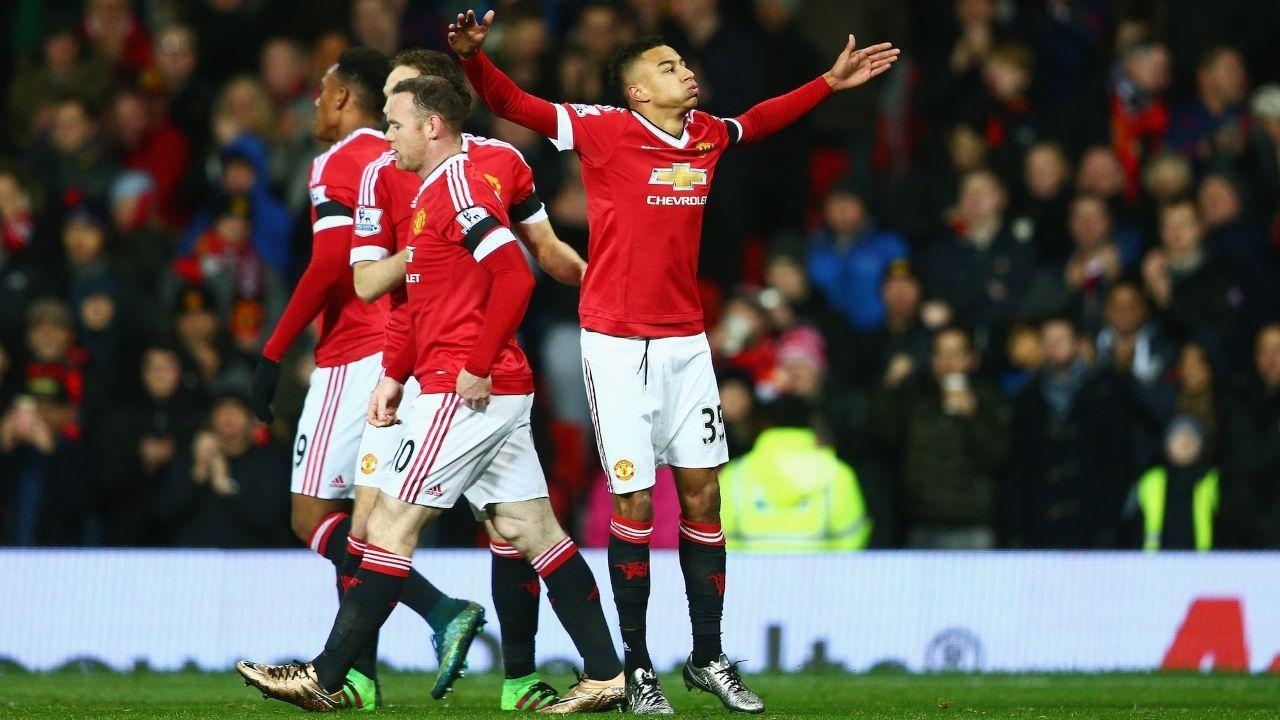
(434, 490)
(337, 482)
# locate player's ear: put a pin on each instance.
(637, 93)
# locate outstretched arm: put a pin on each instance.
(498, 91)
(852, 68)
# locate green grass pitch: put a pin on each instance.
(182, 696)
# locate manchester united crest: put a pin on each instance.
(624, 470)
(494, 183)
(368, 463)
(419, 221)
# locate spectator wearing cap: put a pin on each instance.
(1251, 445)
(791, 493)
(1213, 124)
(947, 431)
(848, 255)
(1174, 505)
(142, 247)
(224, 491)
(47, 476)
(1070, 460)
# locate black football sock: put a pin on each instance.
(329, 540)
(702, 561)
(629, 575)
(365, 607)
(575, 597)
(516, 590)
(367, 661)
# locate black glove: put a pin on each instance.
(265, 378)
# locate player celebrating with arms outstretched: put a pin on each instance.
(647, 170)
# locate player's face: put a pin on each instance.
(663, 76)
(404, 131)
(398, 74)
(327, 107)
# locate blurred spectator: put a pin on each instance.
(117, 38)
(790, 493)
(1011, 123)
(224, 491)
(901, 344)
(1197, 396)
(1191, 291)
(1166, 179)
(1094, 265)
(743, 340)
(1252, 450)
(1139, 114)
(584, 63)
(189, 97)
(249, 295)
(1046, 179)
(1235, 239)
(47, 471)
(286, 79)
(1024, 356)
(949, 430)
(1261, 163)
(205, 343)
(224, 28)
(63, 72)
(1175, 504)
(981, 271)
(377, 24)
(738, 405)
(785, 272)
(1070, 462)
(145, 140)
(1101, 173)
(142, 248)
(71, 163)
(145, 437)
(848, 255)
(243, 173)
(1212, 124)
(17, 214)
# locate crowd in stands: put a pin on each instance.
(1021, 292)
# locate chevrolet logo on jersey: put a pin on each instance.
(679, 176)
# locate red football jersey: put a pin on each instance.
(646, 192)
(457, 221)
(350, 329)
(382, 215)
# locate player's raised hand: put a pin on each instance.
(385, 402)
(468, 34)
(266, 376)
(854, 67)
(473, 390)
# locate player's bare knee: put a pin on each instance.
(635, 506)
(700, 497)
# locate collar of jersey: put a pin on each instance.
(444, 165)
(358, 132)
(663, 135)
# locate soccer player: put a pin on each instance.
(348, 357)
(382, 230)
(647, 170)
(468, 433)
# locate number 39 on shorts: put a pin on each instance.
(712, 425)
